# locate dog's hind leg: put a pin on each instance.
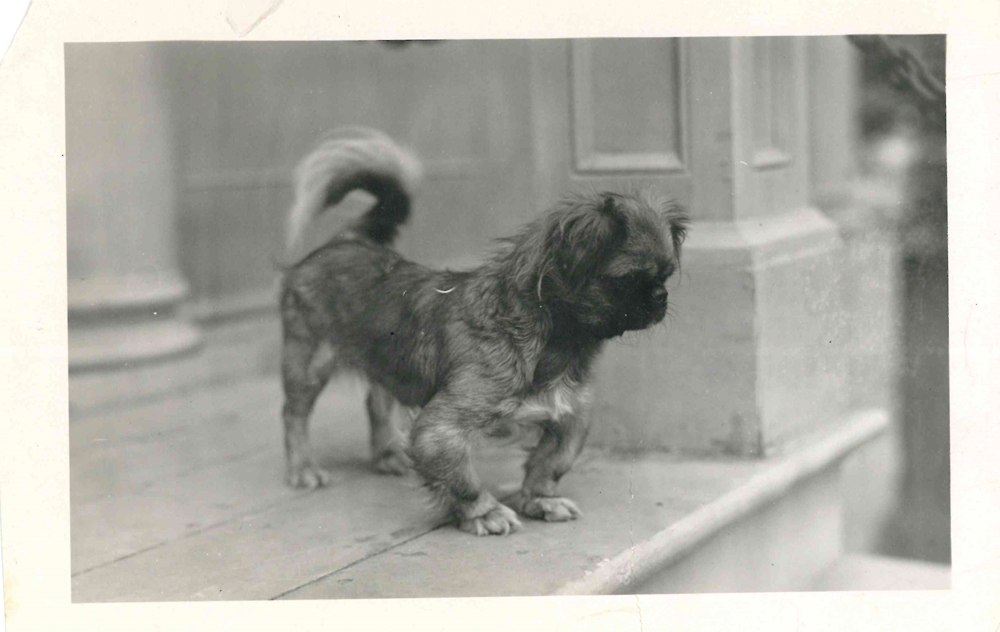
(388, 453)
(306, 367)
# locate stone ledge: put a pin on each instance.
(573, 559)
(633, 566)
(237, 349)
(182, 499)
(873, 572)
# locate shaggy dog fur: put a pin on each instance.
(508, 344)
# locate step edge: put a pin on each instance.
(636, 564)
(868, 572)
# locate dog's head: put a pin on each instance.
(601, 262)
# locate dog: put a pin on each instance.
(485, 352)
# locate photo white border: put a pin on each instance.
(34, 471)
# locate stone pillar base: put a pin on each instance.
(118, 345)
(753, 354)
(118, 322)
(125, 281)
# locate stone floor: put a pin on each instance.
(182, 498)
(178, 495)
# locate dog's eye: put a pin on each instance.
(634, 281)
(665, 273)
(652, 277)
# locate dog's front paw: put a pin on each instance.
(501, 520)
(547, 508)
(307, 476)
(392, 461)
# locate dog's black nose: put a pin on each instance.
(660, 294)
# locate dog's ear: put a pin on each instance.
(676, 221)
(533, 257)
(569, 245)
(588, 232)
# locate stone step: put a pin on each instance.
(183, 500)
(873, 572)
(652, 526)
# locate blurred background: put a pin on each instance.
(903, 146)
(816, 276)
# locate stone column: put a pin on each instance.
(834, 130)
(125, 286)
(753, 355)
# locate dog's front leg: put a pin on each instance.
(560, 444)
(441, 453)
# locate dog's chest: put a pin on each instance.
(562, 365)
(561, 398)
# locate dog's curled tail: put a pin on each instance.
(355, 158)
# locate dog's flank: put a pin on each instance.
(510, 342)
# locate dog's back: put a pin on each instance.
(354, 294)
(376, 310)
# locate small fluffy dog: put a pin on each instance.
(478, 353)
